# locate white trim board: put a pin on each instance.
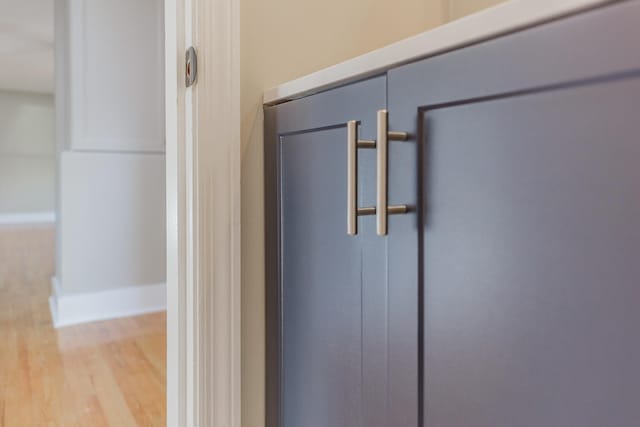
(27, 218)
(504, 18)
(72, 309)
(203, 215)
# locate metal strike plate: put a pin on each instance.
(191, 67)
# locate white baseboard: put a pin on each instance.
(73, 309)
(27, 218)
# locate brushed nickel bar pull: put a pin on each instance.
(352, 177)
(398, 136)
(367, 211)
(366, 143)
(382, 208)
(353, 144)
(397, 209)
(391, 210)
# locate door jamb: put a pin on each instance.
(203, 215)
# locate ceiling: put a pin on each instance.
(26, 45)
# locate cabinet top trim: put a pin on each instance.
(498, 20)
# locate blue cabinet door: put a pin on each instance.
(339, 307)
(530, 218)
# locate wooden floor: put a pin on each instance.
(109, 373)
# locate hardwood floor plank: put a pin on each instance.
(135, 374)
(103, 374)
(111, 397)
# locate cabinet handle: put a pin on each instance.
(353, 144)
(383, 210)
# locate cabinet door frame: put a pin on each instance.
(302, 115)
(554, 56)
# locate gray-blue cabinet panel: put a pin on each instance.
(530, 218)
(507, 295)
(336, 303)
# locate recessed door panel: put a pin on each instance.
(321, 286)
(531, 250)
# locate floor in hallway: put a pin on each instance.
(109, 373)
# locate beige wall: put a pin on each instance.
(460, 8)
(282, 40)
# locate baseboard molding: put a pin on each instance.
(27, 218)
(74, 309)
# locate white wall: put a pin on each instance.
(26, 46)
(110, 117)
(27, 153)
(116, 75)
(112, 214)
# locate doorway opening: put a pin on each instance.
(82, 213)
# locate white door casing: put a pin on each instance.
(203, 215)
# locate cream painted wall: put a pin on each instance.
(281, 40)
(27, 153)
(460, 8)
